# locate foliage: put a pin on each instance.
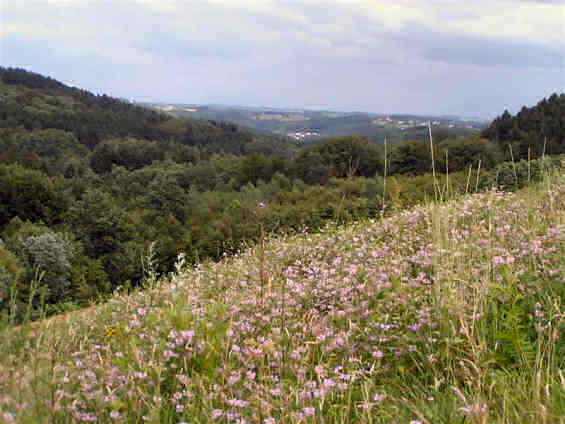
(129, 153)
(339, 157)
(538, 130)
(48, 259)
(456, 155)
(412, 157)
(515, 175)
(10, 273)
(28, 194)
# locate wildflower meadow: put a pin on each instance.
(450, 312)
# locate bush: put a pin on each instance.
(28, 194)
(5, 281)
(50, 256)
(512, 176)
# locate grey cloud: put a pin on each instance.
(166, 44)
(494, 53)
(542, 1)
(462, 49)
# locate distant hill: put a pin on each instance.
(308, 126)
(36, 102)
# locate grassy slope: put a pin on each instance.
(444, 313)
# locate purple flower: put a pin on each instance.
(329, 383)
(8, 417)
(309, 411)
(378, 397)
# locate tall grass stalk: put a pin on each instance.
(529, 166)
(544, 144)
(263, 278)
(447, 174)
(436, 184)
(513, 164)
(384, 178)
(478, 175)
(468, 179)
(148, 264)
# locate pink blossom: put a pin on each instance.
(309, 411)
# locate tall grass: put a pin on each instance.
(436, 184)
(449, 312)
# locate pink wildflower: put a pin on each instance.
(8, 417)
(378, 397)
(309, 411)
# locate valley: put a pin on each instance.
(310, 126)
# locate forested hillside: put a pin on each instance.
(96, 193)
(35, 102)
(539, 127)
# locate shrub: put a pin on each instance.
(50, 256)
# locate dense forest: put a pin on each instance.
(97, 193)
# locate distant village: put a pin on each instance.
(304, 135)
(389, 122)
(411, 123)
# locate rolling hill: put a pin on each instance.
(310, 126)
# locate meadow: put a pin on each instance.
(449, 312)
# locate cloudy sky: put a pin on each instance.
(468, 57)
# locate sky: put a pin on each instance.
(462, 57)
